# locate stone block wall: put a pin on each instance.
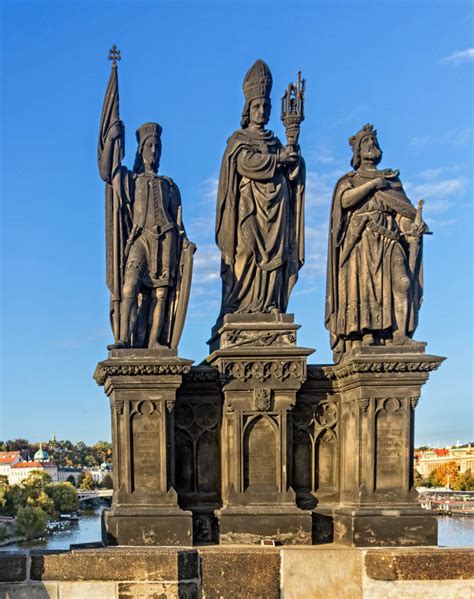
(213, 572)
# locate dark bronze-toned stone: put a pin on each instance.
(262, 369)
(260, 204)
(142, 385)
(149, 257)
(12, 567)
(374, 276)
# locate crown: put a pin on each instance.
(148, 130)
(257, 82)
(355, 140)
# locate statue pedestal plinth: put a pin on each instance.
(261, 370)
(142, 385)
(379, 389)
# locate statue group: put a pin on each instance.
(254, 443)
(374, 274)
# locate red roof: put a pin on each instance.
(34, 465)
(6, 457)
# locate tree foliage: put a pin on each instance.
(64, 497)
(31, 521)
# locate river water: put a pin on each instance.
(457, 531)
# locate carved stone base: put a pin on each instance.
(154, 526)
(384, 527)
(250, 525)
(142, 385)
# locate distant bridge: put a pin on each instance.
(93, 494)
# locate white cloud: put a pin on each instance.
(420, 141)
(436, 188)
(459, 57)
(209, 190)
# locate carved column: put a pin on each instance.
(142, 385)
(261, 371)
(379, 389)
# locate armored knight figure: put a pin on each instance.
(374, 276)
(149, 258)
(259, 224)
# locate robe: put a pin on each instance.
(259, 224)
(366, 242)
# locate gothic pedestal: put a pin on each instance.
(261, 370)
(141, 385)
(379, 389)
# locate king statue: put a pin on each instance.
(374, 277)
(260, 218)
(149, 258)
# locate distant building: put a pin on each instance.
(429, 460)
(65, 473)
(7, 460)
(98, 473)
(22, 470)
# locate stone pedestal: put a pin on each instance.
(141, 385)
(379, 389)
(261, 370)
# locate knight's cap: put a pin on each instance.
(366, 130)
(257, 82)
(148, 130)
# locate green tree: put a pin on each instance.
(86, 482)
(31, 521)
(64, 497)
(463, 482)
(36, 480)
(107, 482)
(418, 479)
(11, 498)
(43, 501)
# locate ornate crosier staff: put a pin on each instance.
(292, 110)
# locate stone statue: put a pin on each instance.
(149, 258)
(260, 218)
(374, 276)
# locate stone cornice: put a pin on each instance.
(109, 369)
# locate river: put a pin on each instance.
(453, 531)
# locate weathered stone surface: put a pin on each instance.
(47, 590)
(158, 590)
(87, 590)
(12, 566)
(417, 589)
(420, 564)
(378, 530)
(117, 564)
(173, 527)
(321, 574)
(292, 527)
(242, 573)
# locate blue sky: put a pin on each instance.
(404, 66)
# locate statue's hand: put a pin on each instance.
(419, 229)
(116, 130)
(379, 183)
(288, 157)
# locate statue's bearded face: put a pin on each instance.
(259, 111)
(151, 153)
(369, 149)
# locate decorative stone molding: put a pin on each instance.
(380, 366)
(262, 371)
(414, 401)
(262, 399)
(170, 405)
(364, 405)
(200, 374)
(119, 405)
(326, 413)
(105, 370)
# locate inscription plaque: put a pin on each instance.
(260, 462)
(390, 443)
(145, 439)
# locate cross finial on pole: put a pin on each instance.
(114, 55)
